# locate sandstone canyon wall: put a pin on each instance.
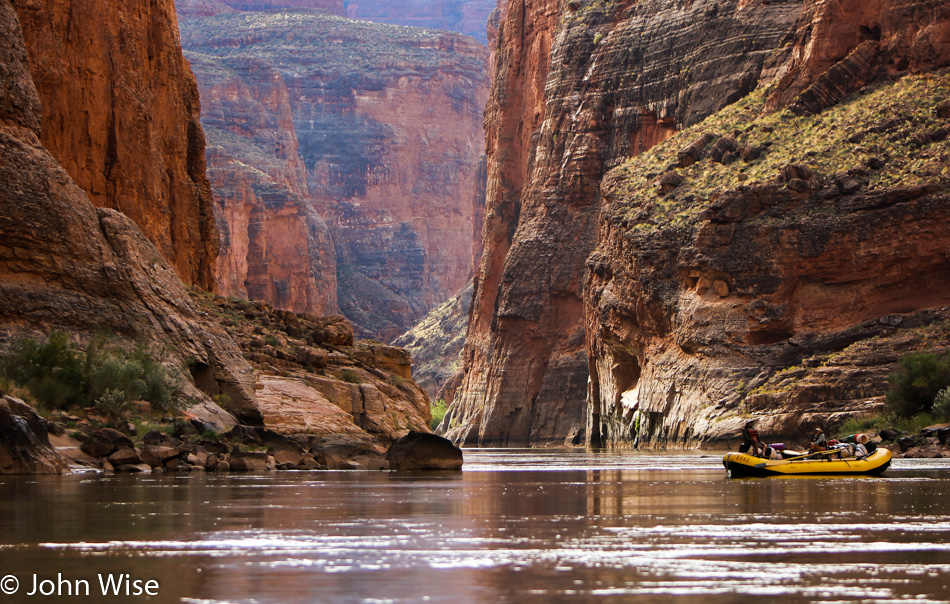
(65, 264)
(121, 114)
(436, 344)
(374, 128)
(578, 87)
(335, 7)
(274, 244)
(777, 260)
(70, 266)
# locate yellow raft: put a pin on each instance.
(741, 464)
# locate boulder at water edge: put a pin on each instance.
(420, 451)
(24, 442)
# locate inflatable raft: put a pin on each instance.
(741, 464)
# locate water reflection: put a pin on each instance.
(516, 526)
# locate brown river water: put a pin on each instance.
(515, 526)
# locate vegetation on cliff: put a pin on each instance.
(916, 386)
(370, 52)
(889, 134)
(756, 265)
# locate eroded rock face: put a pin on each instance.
(315, 381)
(331, 6)
(436, 343)
(121, 115)
(785, 287)
(840, 46)
(388, 134)
(274, 244)
(65, 264)
(567, 103)
(201, 8)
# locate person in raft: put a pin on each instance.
(750, 440)
(820, 442)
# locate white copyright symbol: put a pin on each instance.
(9, 585)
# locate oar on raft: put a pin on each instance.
(805, 456)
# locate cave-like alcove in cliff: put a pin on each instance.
(203, 376)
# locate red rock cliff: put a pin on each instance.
(759, 264)
(274, 245)
(65, 264)
(121, 114)
(579, 86)
(387, 122)
(331, 6)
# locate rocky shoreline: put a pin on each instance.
(29, 444)
(933, 442)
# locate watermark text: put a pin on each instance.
(104, 584)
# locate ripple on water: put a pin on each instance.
(530, 526)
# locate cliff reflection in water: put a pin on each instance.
(516, 526)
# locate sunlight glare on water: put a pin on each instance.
(514, 526)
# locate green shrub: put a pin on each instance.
(439, 409)
(51, 372)
(942, 405)
(864, 423)
(351, 376)
(107, 375)
(114, 404)
(134, 373)
(878, 422)
(915, 386)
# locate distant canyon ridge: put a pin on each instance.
(344, 156)
(463, 16)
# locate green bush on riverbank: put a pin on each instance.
(916, 385)
(876, 423)
(439, 409)
(106, 375)
(919, 396)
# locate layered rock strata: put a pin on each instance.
(65, 264)
(314, 380)
(120, 113)
(463, 16)
(840, 46)
(274, 244)
(435, 344)
(387, 122)
(759, 265)
(335, 7)
(578, 87)
(796, 302)
(201, 8)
